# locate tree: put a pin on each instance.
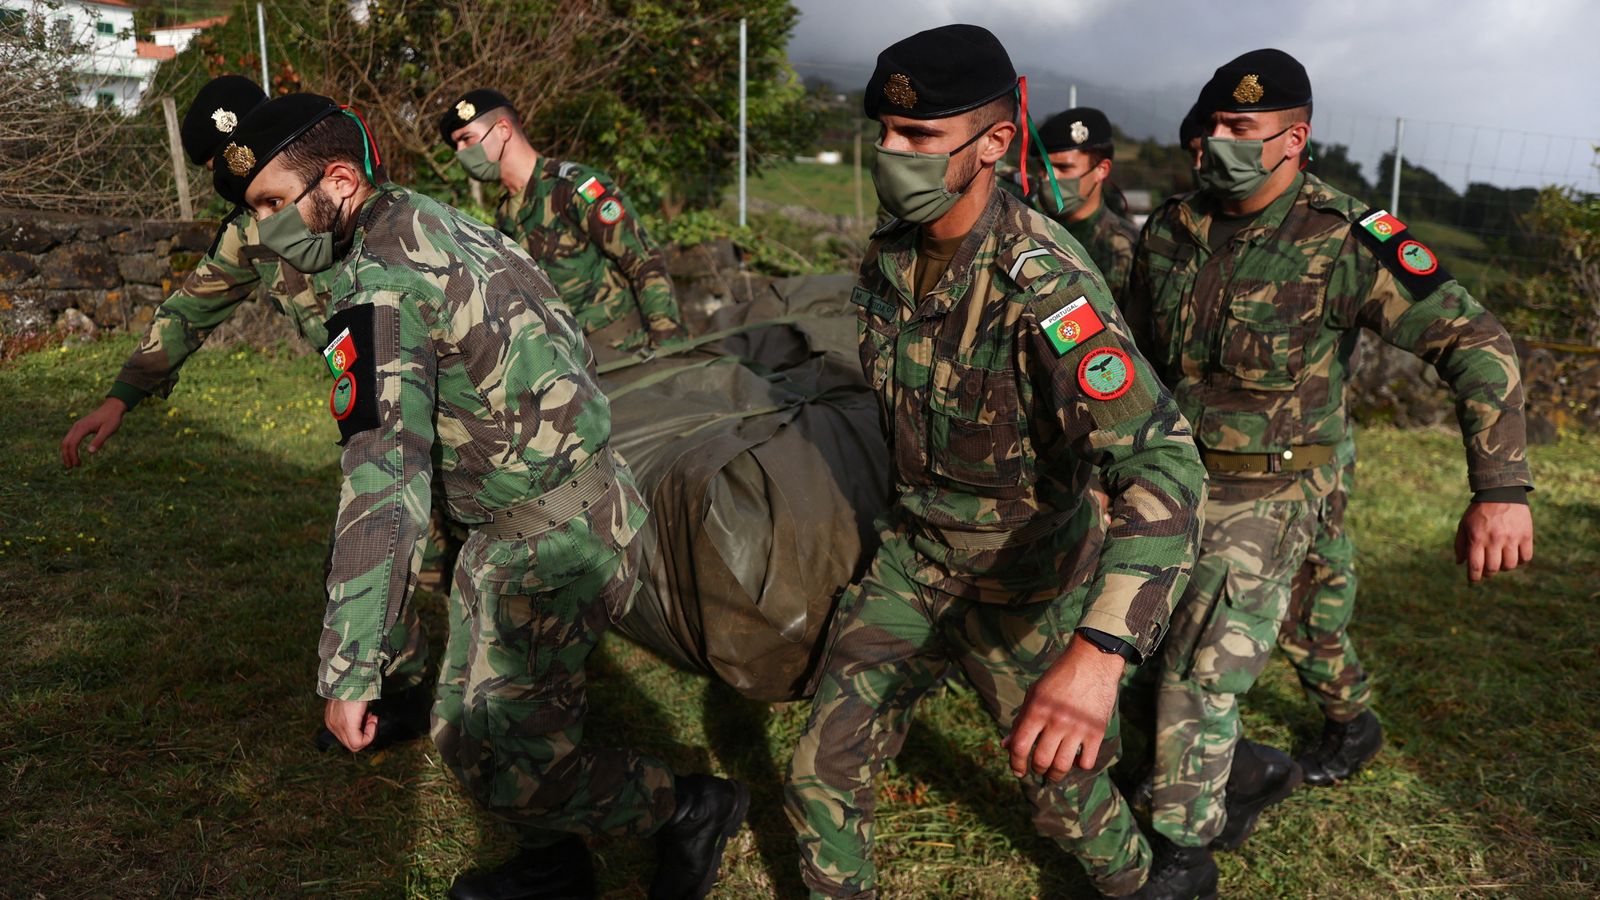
(1567, 292)
(644, 90)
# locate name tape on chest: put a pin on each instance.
(1071, 325)
(874, 304)
(1413, 263)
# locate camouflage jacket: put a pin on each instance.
(224, 278)
(1256, 340)
(1001, 392)
(580, 229)
(1110, 240)
(452, 358)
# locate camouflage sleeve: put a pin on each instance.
(208, 296)
(1433, 316)
(621, 237)
(1112, 411)
(1137, 300)
(383, 402)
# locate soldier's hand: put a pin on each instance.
(1064, 717)
(102, 423)
(1494, 537)
(351, 723)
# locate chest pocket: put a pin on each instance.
(1266, 331)
(1171, 278)
(974, 424)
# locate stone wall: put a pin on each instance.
(114, 271)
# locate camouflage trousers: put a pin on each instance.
(1222, 634)
(892, 640)
(408, 667)
(1323, 598)
(510, 709)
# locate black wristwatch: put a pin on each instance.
(1107, 643)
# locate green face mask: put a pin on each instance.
(285, 233)
(476, 161)
(911, 185)
(1232, 169)
(1072, 198)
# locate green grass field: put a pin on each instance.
(157, 705)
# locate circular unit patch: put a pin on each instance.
(611, 211)
(1106, 373)
(342, 399)
(1417, 259)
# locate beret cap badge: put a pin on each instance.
(465, 111)
(240, 159)
(225, 120)
(1080, 132)
(899, 91)
(1249, 90)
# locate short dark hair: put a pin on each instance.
(1098, 152)
(336, 138)
(1001, 109)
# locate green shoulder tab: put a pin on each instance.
(1412, 262)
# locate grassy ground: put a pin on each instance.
(163, 605)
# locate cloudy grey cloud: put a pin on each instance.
(1492, 91)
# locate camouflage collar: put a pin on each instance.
(386, 195)
(897, 259)
(1198, 209)
(1084, 228)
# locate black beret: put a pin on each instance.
(468, 107)
(262, 135)
(1258, 81)
(215, 112)
(1196, 124)
(941, 72)
(1082, 126)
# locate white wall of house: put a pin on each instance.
(110, 72)
(177, 36)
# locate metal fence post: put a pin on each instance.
(744, 38)
(1394, 177)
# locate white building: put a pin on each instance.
(111, 72)
(178, 36)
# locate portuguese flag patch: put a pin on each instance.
(341, 353)
(1383, 226)
(591, 189)
(1071, 325)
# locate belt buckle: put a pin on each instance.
(1274, 463)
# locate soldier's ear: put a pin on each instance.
(997, 142)
(343, 179)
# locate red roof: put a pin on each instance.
(201, 24)
(151, 50)
(122, 3)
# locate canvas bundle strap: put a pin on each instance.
(555, 507)
(996, 540)
(679, 347)
(1294, 459)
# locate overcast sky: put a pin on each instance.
(1505, 91)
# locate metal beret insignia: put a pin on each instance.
(240, 159)
(225, 120)
(466, 112)
(899, 91)
(1248, 90)
(1080, 132)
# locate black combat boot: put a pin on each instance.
(1179, 873)
(1345, 748)
(558, 872)
(402, 716)
(1261, 776)
(689, 847)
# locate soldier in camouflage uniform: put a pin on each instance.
(1081, 150)
(452, 360)
(1006, 379)
(573, 220)
(1247, 297)
(228, 275)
